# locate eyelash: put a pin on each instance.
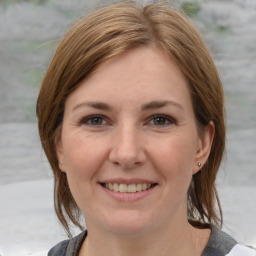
(165, 118)
(88, 120)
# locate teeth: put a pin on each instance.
(144, 186)
(132, 188)
(139, 187)
(124, 188)
(115, 187)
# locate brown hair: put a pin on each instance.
(106, 33)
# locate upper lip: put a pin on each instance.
(128, 181)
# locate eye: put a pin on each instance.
(161, 120)
(93, 120)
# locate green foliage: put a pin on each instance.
(222, 29)
(36, 77)
(191, 8)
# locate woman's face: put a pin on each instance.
(129, 144)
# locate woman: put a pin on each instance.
(131, 118)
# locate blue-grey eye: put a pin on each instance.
(161, 120)
(95, 121)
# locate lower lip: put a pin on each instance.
(128, 197)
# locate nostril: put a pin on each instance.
(127, 157)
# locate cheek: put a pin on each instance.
(82, 160)
(82, 156)
(174, 157)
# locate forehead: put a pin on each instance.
(139, 75)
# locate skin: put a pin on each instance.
(144, 128)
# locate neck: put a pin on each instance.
(179, 240)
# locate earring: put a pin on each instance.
(199, 164)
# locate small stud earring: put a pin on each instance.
(199, 164)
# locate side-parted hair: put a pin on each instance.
(108, 32)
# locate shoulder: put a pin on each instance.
(69, 246)
(221, 244)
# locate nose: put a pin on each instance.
(127, 149)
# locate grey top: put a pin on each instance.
(219, 244)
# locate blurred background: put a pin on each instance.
(29, 34)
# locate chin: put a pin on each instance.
(128, 223)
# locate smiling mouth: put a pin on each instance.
(128, 188)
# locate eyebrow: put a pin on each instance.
(96, 105)
(160, 104)
(148, 106)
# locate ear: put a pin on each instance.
(60, 155)
(204, 146)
